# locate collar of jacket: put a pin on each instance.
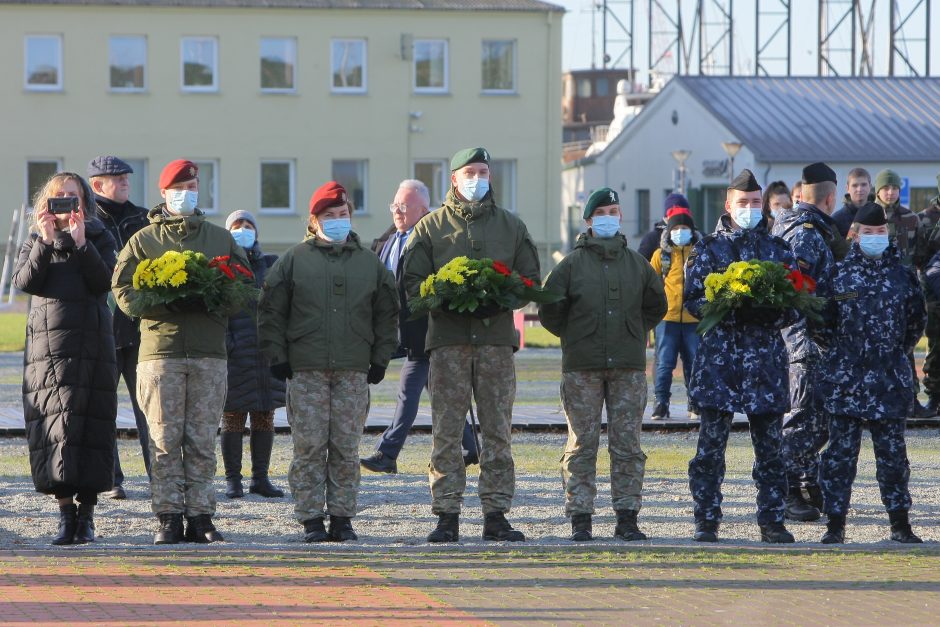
(604, 247)
(813, 213)
(332, 248)
(857, 257)
(893, 209)
(469, 210)
(115, 211)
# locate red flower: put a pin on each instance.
(502, 268)
(217, 260)
(527, 282)
(796, 279)
(243, 270)
(809, 282)
(226, 271)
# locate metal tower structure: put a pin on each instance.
(771, 34)
(909, 54)
(713, 25)
(617, 27)
(845, 38)
(666, 45)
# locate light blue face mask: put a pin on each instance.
(873, 244)
(244, 237)
(748, 217)
(474, 189)
(605, 226)
(181, 201)
(336, 230)
(680, 237)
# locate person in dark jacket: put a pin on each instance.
(650, 242)
(858, 192)
(252, 390)
(929, 221)
(70, 377)
(107, 176)
(776, 203)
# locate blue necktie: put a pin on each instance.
(395, 254)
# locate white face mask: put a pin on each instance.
(474, 189)
(747, 217)
(181, 201)
(680, 237)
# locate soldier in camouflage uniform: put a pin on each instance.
(612, 298)
(740, 366)
(811, 233)
(328, 321)
(471, 355)
(930, 227)
(875, 317)
(181, 370)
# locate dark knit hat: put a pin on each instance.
(745, 182)
(178, 171)
(674, 200)
(108, 165)
(680, 219)
(871, 214)
(240, 214)
(818, 172)
(600, 198)
(328, 195)
(887, 177)
(468, 156)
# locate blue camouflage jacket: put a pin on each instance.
(739, 366)
(874, 319)
(807, 230)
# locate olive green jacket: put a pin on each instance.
(475, 230)
(164, 333)
(612, 298)
(327, 306)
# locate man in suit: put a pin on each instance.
(411, 203)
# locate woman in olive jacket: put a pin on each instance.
(70, 377)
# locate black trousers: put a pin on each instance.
(127, 367)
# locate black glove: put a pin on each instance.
(376, 374)
(487, 310)
(759, 316)
(187, 304)
(282, 371)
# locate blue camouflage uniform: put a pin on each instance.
(875, 317)
(806, 425)
(740, 366)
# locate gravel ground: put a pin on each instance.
(395, 511)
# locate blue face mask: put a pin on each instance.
(680, 237)
(605, 226)
(474, 189)
(244, 237)
(336, 230)
(182, 202)
(873, 245)
(747, 217)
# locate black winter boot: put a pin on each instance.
(261, 444)
(68, 521)
(85, 525)
(626, 526)
(496, 527)
(814, 496)
(660, 412)
(171, 529)
(341, 529)
(798, 509)
(581, 528)
(901, 528)
(447, 530)
(231, 445)
(315, 531)
(835, 530)
(706, 531)
(200, 529)
(775, 533)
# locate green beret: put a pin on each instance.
(887, 177)
(600, 198)
(468, 156)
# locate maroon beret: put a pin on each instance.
(327, 195)
(177, 172)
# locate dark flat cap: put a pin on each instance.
(600, 198)
(871, 214)
(108, 165)
(818, 172)
(745, 182)
(468, 156)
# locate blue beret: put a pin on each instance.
(108, 165)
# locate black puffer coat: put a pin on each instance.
(70, 378)
(250, 384)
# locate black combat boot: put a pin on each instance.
(85, 524)
(341, 529)
(315, 531)
(496, 527)
(379, 462)
(660, 412)
(626, 526)
(200, 529)
(901, 528)
(706, 531)
(814, 496)
(447, 530)
(171, 529)
(261, 444)
(835, 530)
(231, 445)
(68, 521)
(581, 528)
(798, 509)
(775, 533)
(933, 405)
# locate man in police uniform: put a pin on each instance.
(471, 354)
(740, 367)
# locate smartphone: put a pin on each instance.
(63, 204)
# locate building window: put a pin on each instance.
(127, 60)
(642, 211)
(603, 87)
(37, 173)
(503, 183)
(278, 64)
(277, 186)
(43, 62)
(430, 65)
(348, 65)
(434, 174)
(199, 60)
(584, 88)
(499, 67)
(138, 182)
(352, 174)
(208, 184)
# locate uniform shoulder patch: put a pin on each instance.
(845, 296)
(808, 225)
(804, 265)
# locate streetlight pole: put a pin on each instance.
(680, 156)
(731, 149)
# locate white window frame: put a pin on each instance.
(60, 73)
(443, 183)
(197, 89)
(365, 65)
(280, 90)
(414, 68)
(58, 168)
(289, 210)
(214, 186)
(130, 90)
(515, 65)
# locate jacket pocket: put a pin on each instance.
(634, 327)
(580, 327)
(299, 326)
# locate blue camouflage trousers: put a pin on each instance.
(707, 468)
(805, 426)
(840, 462)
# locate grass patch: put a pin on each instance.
(538, 337)
(12, 331)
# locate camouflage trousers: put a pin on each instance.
(932, 360)
(583, 394)
(840, 462)
(489, 374)
(182, 399)
(707, 468)
(805, 427)
(326, 410)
